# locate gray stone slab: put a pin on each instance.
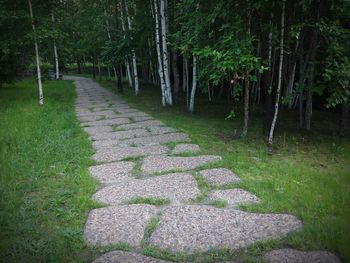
(126, 109)
(161, 130)
(120, 135)
(219, 176)
(118, 224)
(141, 118)
(119, 153)
(288, 255)
(112, 172)
(92, 118)
(98, 129)
(159, 164)
(151, 140)
(126, 257)
(201, 228)
(176, 187)
(106, 122)
(97, 113)
(136, 114)
(233, 197)
(186, 148)
(141, 124)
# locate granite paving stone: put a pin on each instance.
(141, 124)
(233, 197)
(119, 135)
(176, 187)
(150, 140)
(162, 163)
(120, 153)
(98, 129)
(185, 148)
(219, 176)
(141, 118)
(106, 122)
(126, 257)
(288, 255)
(160, 130)
(112, 172)
(118, 224)
(199, 228)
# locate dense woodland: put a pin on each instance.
(286, 56)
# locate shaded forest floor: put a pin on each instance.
(305, 174)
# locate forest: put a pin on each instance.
(287, 57)
(260, 87)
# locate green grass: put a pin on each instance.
(149, 200)
(304, 174)
(45, 189)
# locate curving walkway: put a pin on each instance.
(137, 164)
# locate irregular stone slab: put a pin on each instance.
(161, 130)
(185, 148)
(98, 129)
(142, 118)
(91, 118)
(119, 153)
(120, 135)
(112, 172)
(151, 140)
(135, 114)
(219, 176)
(233, 197)
(126, 257)
(159, 164)
(118, 224)
(141, 124)
(97, 113)
(125, 110)
(177, 187)
(201, 228)
(288, 255)
(106, 122)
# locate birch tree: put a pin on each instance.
(133, 54)
(37, 58)
(57, 70)
(278, 93)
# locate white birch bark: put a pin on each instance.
(127, 64)
(57, 70)
(133, 54)
(110, 40)
(278, 94)
(41, 95)
(159, 56)
(194, 85)
(167, 93)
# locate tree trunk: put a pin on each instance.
(246, 105)
(176, 75)
(57, 70)
(308, 110)
(41, 95)
(159, 56)
(133, 54)
(194, 85)
(278, 94)
(93, 67)
(344, 120)
(163, 18)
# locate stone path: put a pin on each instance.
(137, 171)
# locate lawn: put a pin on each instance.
(45, 188)
(304, 174)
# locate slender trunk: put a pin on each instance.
(187, 85)
(344, 120)
(268, 79)
(301, 91)
(109, 73)
(278, 94)
(41, 95)
(246, 105)
(159, 56)
(99, 69)
(176, 75)
(163, 19)
(194, 85)
(57, 70)
(93, 67)
(133, 54)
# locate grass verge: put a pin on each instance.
(45, 188)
